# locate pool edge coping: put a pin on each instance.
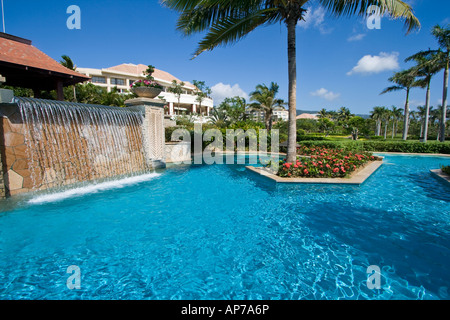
(441, 175)
(357, 179)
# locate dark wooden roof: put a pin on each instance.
(25, 66)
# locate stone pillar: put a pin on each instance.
(153, 128)
(171, 108)
(194, 108)
(6, 97)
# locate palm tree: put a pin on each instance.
(202, 92)
(344, 115)
(68, 63)
(385, 116)
(435, 116)
(404, 80)
(266, 101)
(376, 114)
(442, 35)
(396, 116)
(227, 21)
(428, 64)
(322, 114)
(219, 117)
(421, 112)
(177, 90)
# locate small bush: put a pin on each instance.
(446, 169)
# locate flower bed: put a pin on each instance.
(320, 162)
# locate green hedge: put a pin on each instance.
(384, 146)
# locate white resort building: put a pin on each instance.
(122, 76)
(279, 113)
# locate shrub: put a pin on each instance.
(446, 169)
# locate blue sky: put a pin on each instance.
(340, 62)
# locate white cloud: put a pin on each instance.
(220, 91)
(314, 18)
(325, 94)
(376, 64)
(356, 37)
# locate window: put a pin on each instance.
(117, 81)
(98, 79)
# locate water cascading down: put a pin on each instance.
(72, 142)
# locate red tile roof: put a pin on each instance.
(18, 51)
(157, 74)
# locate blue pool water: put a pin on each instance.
(221, 232)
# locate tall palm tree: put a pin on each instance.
(265, 101)
(177, 90)
(202, 92)
(227, 21)
(68, 63)
(322, 114)
(442, 35)
(385, 116)
(376, 114)
(421, 112)
(396, 116)
(404, 80)
(428, 64)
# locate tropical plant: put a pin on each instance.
(149, 80)
(376, 114)
(404, 80)
(177, 90)
(227, 21)
(219, 117)
(442, 35)
(322, 114)
(385, 117)
(326, 125)
(202, 92)
(396, 117)
(428, 64)
(68, 63)
(234, 108)
(265, 101)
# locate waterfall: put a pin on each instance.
(72, 142)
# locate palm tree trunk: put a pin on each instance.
(427, 113)
(75, 93)
(406, 120)
(444, 101)
(292, 67)
(385, 130)
(393, 129)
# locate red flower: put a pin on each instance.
(321, 172)
(336, 170)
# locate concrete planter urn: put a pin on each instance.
(146, 92)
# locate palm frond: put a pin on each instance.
(392, 89)
(231, 29)
(396, 9)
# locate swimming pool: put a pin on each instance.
(222, 232)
